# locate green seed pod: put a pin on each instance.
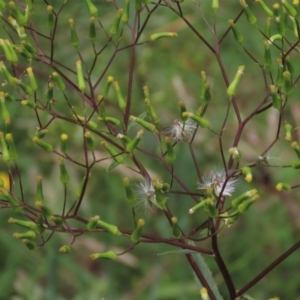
(115, 155)
(107, 85)
(29, 244)
(65, 249)
(235, 153)
(50, 22)
(63, 145)
(237, 35)
(80, 78)
(92, 224)
(59, 82)
(12, 51)
(170, 155)
(266, 9)
(74, 36)
(64, 176)
(11, 147)
(109, 227)
(92, 8)
(28, 47)
(8, 76)
(249, 15)
(32, 80)
(130, 195)
(125, 15)
(101, 107)
(9, 98)
(240, 199)
(28, 103)
(294, 24)
(41, 133)
(296, 148)
(26, 88)
(146, 92)
(89, 141)
(46, 146)
(175, 228)
(287, 86)
(282, 186)
(289, 8)
(92, 29)
(288, 131)
(133, 144)
(210, 208)
(115, 26)
(233, 85)
(148, 126)
(136, 234)
(19, 16)
(276, 101)
(121, 100)
(157, 36)
(207, 94)
(106, 255)
(199, 120)
(151, 112)
(5, 152)
(267, 55)
(248, 174)
(26, 235)
(26, 224)
(111, 120)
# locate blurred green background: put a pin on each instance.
(171, 69)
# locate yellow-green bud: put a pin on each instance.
(115, 155)
(233, 85)
(65, 249)
(199, 120)
(148, 126)
(109, 227)
(29, 103)
(50, 22)
(115, 26)
(80, 78)
(247, 172)
(63, 145)
(249, 15)
(175, 228)
(243, 207)
(64, 176)
(157, 36)
(240, 199)
(125, 15)
(276, 101)
(59, 82)
(26, 235)
(288, 131)
(89, 141)
(210, 208)
(107, 255)
(5, 152)
(57, 220)
(46, 146)
(236, 33)
(121, 100)
(130, 195)
(27, 224)
(92, 224)
(289, 8)
(92, 29)
(136, 234)
(11, 147)
(92, 8)
(151, 111)
(235, 153)
(4, 111)
(134, 143)
(170, 155)
(197, 206)
(6, 73)
(266, 9)
(287, 86)
(32, 80)
(29, 244)
(282, 186)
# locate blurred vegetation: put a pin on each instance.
(171, 68)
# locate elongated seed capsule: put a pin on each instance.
(50, 22)
(58, 80)
(12, 51)
(26, 88)
(64, 175)
(109, 227)
(161, 199)
(26, 224)
(26, 235)
(236, 33)
(5, 152)
(296, 148)
(115, 26)
(130, 195)
(32, 80)
(240, 199)
(125, 15)
(92, 224)
(89, 141)
(148, 126)
(92, 8)
(29, 244)
(6, 51)
(57, 220)
(249, 15)
(46, 146)
(175, 228)
(16, 12)
(182, 107)
(151, 111)
(39, 196)
(134, 143)
(92, 29)
(199, 120)
(243, 207)
(27, 45)
(80, 78)
(279, 80)
(106, 255)
(287, 85)
(266, 9)
(248, 174)
(289, 65)
(268, 27)
(6, 73)
(157, 36)
(121, 100)
(74, 36)
(111, 120)
(267, 55)
(138, 5)
(11, 147)
(197, 207)
(46, 211)
(233, 85)
(210, 208)
(107, 85)
(63, 144)
(28, 103)
(115, 155)
(276, 101)
(4, 111)
(136, 234)
(289, 8)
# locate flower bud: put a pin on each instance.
(4, 111)
(28, 103)
(287, 86)
(235, 153)
(63, 145)
(39, 196)
(50, 90)
(133, 144)
(288, 131)
(29, 235)
(240, 199)
(175, 228)
(64, 176)
(107, 255)
(267, 55)
(6, 73)
(5, 152)
(237, 35)
(130, 195)
(197, 206)
(200, 121)
(215, 5)
(161, 199)
(12, 201)
(19, 16)
(26, 224)
(204, 294)
(289, 8)
(59, 82)
(8, 55)
(243, 207)
(46, 211)
(65, 249)
(282, 186)
(82, 184)
(210, 208)
(138, 5)
(107, 85)
(182, 110)
(11, 147)
(276, 101)
(151, 112)
(92, 29)
(90, 124)
(268, 26)
(294, 25)
(50, 22)
(57, 220)
(249, 15)
(115, 155)
(89, 141)
(29, 244)
(32, 80)
(296, 148)
(28, 47)
(46, 146)
(26, 88)
(148, 126)
(92, 8)
(125, 15)
(109, 227)
(233, 85)
(279, 79)
(157, 36)
(266, 9)
(115, 26)
(121, 100)
(136, 234)
(247, 172)
(92, 224)
(111, 120)
(80, 78)
(170, 155)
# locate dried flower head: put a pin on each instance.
(216, 181)
(182, 131)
